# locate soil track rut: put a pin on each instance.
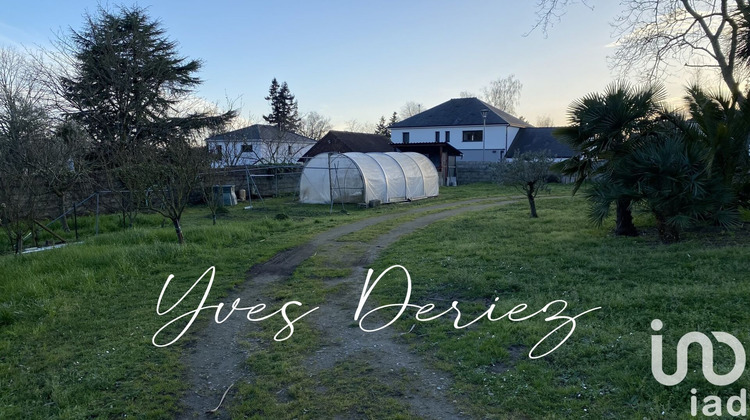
(215, 360)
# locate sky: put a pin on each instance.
(359, 60)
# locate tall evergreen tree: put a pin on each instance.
(284, 109)
(394, 119)
(128, 79)
(382, 129)
(124, 87)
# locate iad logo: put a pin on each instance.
(708, 357)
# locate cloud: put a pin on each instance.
(13, 36)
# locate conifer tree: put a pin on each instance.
(124, 84)
(284, 114)
(381, 128)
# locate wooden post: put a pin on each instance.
(75, 219)
(49, 231)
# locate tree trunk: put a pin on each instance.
(19, 243)
(532, 205)
(63, 219)
(213, 217)
(668, 234)
(624, 225)
(178, 230)
(34, 234)
(124, 223)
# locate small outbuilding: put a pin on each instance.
(364, 177)
(347, 141)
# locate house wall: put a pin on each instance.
(264, 151)
(497, 139)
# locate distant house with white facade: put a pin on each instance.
(478, 130)
(258, 144)
(460, 123)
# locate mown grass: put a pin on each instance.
(603, 370)
(76, 323)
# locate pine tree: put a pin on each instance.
(284, 108)
(382, 128)
(125, 83)
(128, 78)
(394, 119)
(273, 98)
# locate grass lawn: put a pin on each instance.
(76, 322)
(604, 369)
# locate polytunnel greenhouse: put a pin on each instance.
(363, 177)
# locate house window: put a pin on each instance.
(447, 136)
(405, 138)
(474, 135)
(289, 149)
(218, 150)
(437, 137)
(246, 148)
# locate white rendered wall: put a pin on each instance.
(262, 151)
(497, 139)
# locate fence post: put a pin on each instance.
(75, 219)
(276, 181)
(96, 223)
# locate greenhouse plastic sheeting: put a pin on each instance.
(362, 177)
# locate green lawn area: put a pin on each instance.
(604, 369)
(76, 322)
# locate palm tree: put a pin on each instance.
(724, 130)
(670, 176)
(605, 128)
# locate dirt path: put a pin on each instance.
(216, 359)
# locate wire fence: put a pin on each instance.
(254, 182)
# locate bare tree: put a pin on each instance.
(654, 35)
(503, 93)
(222, 147)
(315, 125)
(466, 94)
(207, 180)
(63, 164)
(175, 172)
(279, 148)
(24, 126)
(356, 126)
(410, 109)
(544, 120)
(549, 13)
(529, 173)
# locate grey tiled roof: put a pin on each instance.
(259, 132)
(536, 139)
(461, 111)
(346, 141)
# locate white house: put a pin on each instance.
(479, 130)
(258, 144)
